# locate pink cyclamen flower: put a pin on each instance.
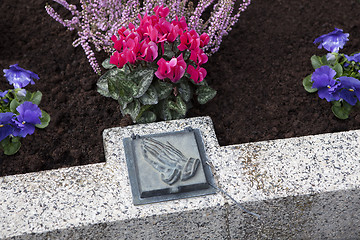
(204, 39)
(118, 59)
(161, 11)
(180, 23)
(198, 56)
(149, 50)
(173, 69)
(197, 74)
(189, 40)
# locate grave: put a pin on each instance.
(304, 188)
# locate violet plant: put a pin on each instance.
(98, 20)
(19, 111)
(157, 69)
(337, 76)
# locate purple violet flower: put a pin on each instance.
(355, 58)
(333, 41)
(323, 80)
(2, 94)
(29, 115)
(351, 89)
(19, 77)
(6, 127)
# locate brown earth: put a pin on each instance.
(258, 74)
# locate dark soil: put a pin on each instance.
(258, 74)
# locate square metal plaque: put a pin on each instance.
(167, 166)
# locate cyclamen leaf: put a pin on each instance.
(106, 64)
(185, 91)
(164, 110)
(163, 89)
(102, 87)
(45, 120)
(123, 101)
(179, 106)
(307, 83)
(147, 117)
(113, 89)
(143, 109)
(176, 115)
(120, 87)
(132, 109)
(103, 82)
(143, 78)
(150, 97)
(205, 94)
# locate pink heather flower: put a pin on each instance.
(161, 11)
(198, 56)
(204, 40)
(173, 69)
(149, 50)
(197, 74)
(118, 59)
(189, 40)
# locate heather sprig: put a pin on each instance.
(157, 68)
(98, 20)
(337, 76)
(19, 111)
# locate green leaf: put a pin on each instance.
(341, 109)
(179, 106)
(315, 61)
(307, 83)
(324, 60)
(185, 90)
(13, 105)
(143, 109)
(339, 70)
(147, 117)
(102, 86)
(103, 82)
(205, 94)
(164, 110)
(36, 98)
(143, 78)
(150, 97)
(106, 64)
(45, 120)
(133, 109)
(176, 115)
(10, 145)
(163, 89)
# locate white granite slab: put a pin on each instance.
(305, 187)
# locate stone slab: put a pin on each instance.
(304, 188)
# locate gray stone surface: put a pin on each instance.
(303, 188)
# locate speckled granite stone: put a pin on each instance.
(81, 202)
(303, 188)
